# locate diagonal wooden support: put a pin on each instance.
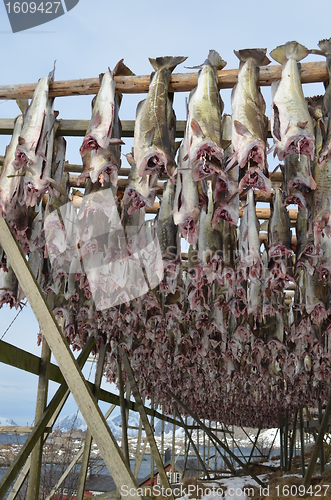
(73, 462)
(57, 401)
(254, 444)
(215, 438)
(318, 445)
(92, 415)
(293, 438)
(125, 445)
(196, 451)
(146, 424)
(88, 438)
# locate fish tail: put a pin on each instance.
(215, 60)
(166, 62)
(325, 46)
(291, 50)
(258, 55)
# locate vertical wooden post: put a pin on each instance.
(173, 448)
(215, 449)
(136, 461)
(125, 446)
(204, 443)
(318, 445)
(281, 432)
(187, 447)
(293, 439)
(208, 451)
(36, 455)
(302, 442)
(151, 449)
(88, 438)
(286, 441)
(162, 434)
(320, 417)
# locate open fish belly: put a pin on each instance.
(299, 141)
(206, 149)
(254, 178)
(247, 150)
(153, 161)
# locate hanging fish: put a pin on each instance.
(291, 124)
(99, 132)
(203, 130)
(140, 191)
(154, 136)
(166, 229)
(249, 123)
(279, 232)
(186, 204)
(210, 239)
(249, 242)
(325, 154)
(10, 182)
(32, 133)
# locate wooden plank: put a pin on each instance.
(58, 399)
(317, 448)
(91, 413)
(17, 429)
(36, 455)
(86, 449)
(179, 82)
(125, 444)
(146, 424)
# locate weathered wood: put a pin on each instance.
(215, 438)
(320, 417)
(92, 415)
(58, 399)
(125, 445)
(136, 469)
(318, 445)
(195, 448)
(88, 438)
(179, 82)
(146, 424)
(17, 429)
(293, 439)
(36, 455)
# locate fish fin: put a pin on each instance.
(122, 70)
(56, 114)
(291, 50)
(225, 144)
(177, 146)
(167, 62)
(215, 60)
(21, 141)
(149, 137)
(56, 185)
(241, 129)
(23, 104)
(258, 55)
(196, 129)
(325, 46)
(312, 183)
(130, 159)
(115, 141)
(96, 120)
(52, 73)
(302, 124)
(101, 75)
(274, 87)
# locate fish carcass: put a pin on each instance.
(155, 125)
(99, 131)
(10, 182)
(249, 123)
(186, 204)
(140, 191)
(249, 243)
(325, 153)
(291, 124)
(32, 133)
(203, 133)
(226, 202)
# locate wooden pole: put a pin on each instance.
(302, 442)
(286, 441)
(320, 417)
(88, 439)
(151, 448)
(204, 444)
(77, 384)
(173, 447)
(59, 399)
(281, 433)
(36, 455)
(125, 446)
(147, 426)
(318, 445)
(254, 445)
(179, 82)
(187, 447)
(136, 470)
(190, 438)
(162, 434)
(293, 439)
(215, 439)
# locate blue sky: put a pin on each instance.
(95, 35)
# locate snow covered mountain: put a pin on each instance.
(71, 421)
(6, 421)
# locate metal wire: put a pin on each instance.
(13, 321)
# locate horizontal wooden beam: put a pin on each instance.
(16, 429)
(23, 360)
(179, 82)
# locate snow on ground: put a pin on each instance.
(239, 487)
